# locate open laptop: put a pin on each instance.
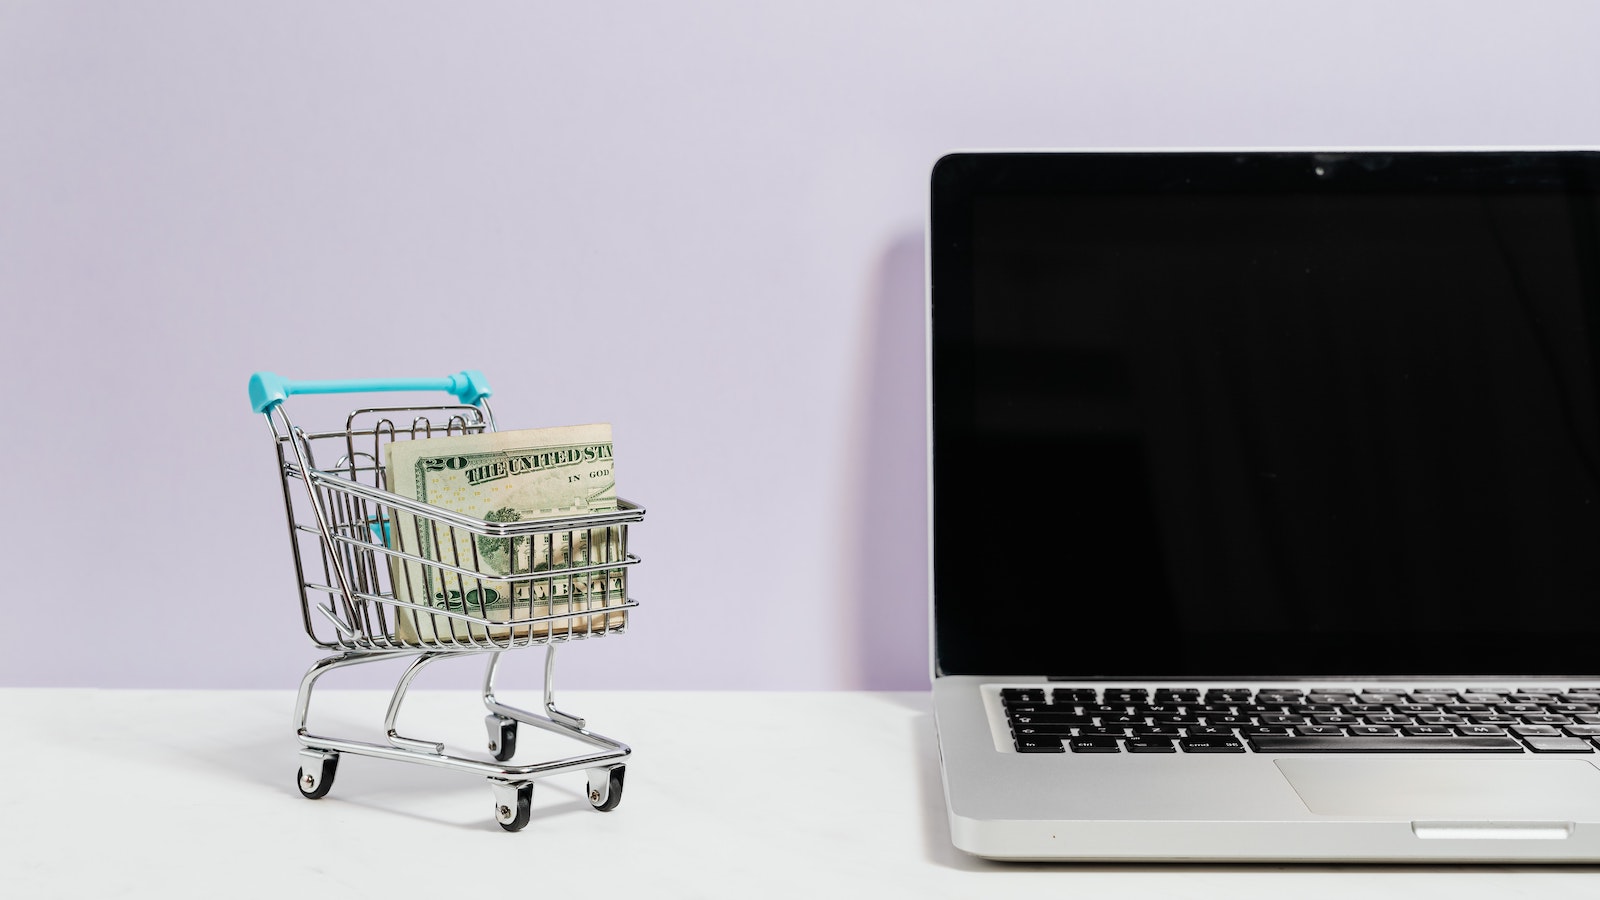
(1266, 504)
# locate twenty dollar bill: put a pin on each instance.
(511, 476)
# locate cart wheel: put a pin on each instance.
(605, 787)
(502, 737)
(515, 818)
(316, 787)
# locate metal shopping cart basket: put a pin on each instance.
(357, 548)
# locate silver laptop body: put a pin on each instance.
(1265, 504)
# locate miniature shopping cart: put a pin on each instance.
(361, 551)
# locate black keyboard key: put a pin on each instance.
(1121, 721)
(1442, 719)
(1052, 719)
(1395, 744)
(1150, 745)
(1215, 744)
(1389, 719)
(1413, 709)
(1336, 720)
(1371, 730)
(1176, 695)
(1319, 731)
(1264, 729)
(1039, 744)
(1103, 732)
(1501, 721)
(1364, 709)
(1533, 697)
(1022, 695)
(1210, 731)
(1382, 697)
(1428, 730)
(1125, 695)
(1229, 721)
(1433, 696)
(1559, 745)
(1587, 719)
(1536, 731)
(1575, 730)
(1033, 709)
(1547, 719)
(1233, 695)
(1175, 720)
(1283, 720)
(1278, 696)
(1517, 709)
(1165, 731)
(1569, 709)
(1481, 730)
(1334, 697)
(1072, 695)
(1034, 730)
(1093, 745)
(1211, 709)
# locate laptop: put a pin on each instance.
(1265, 504)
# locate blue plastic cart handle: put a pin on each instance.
(268, 390)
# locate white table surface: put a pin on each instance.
(188, 793)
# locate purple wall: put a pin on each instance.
(701, 222)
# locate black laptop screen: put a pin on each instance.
(1266, 415)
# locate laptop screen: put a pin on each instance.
(1202, 415)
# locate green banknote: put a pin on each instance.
(508, 476)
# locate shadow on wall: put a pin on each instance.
(891, 565)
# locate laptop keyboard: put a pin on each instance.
(1051, 719)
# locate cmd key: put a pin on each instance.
(1213, 744)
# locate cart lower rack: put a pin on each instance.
(377, 583)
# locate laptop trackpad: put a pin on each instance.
(1456, 789)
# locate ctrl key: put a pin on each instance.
(1039, 743)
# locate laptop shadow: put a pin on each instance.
(890, 546)
(938, 849)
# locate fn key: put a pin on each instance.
(1039, 743)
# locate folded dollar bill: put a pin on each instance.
(508, 476)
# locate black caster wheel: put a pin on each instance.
(605, 787)
(317, 785)
(514, 818)
(502, 737)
